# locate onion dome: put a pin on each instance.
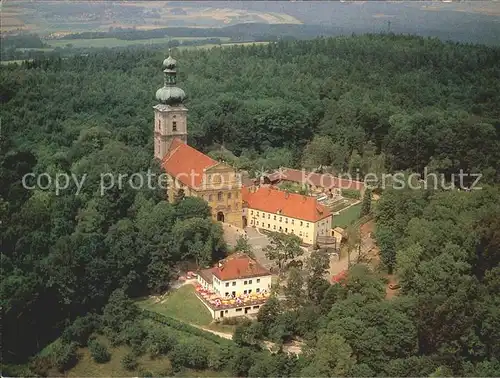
(170, 94)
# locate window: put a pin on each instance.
(307, 224)
(300, 233)
(301, 223)
(257, 223)
(227, 284)
(226, 295)
(268, 225)
(234, 283)
(255, 307)
(286, 220)
(236, 206)
(250, 291)
(286, 229)
(251, 212)
(275, 217)
(174, 126)
(274, 227)
(268, 216)
(257, 290)
(292, 221)
(250, 282)
(244, 282)
(219, 196)
(225, 311)
(251, 222)
(244, 292)
(228, 195)
(239, 309)
(258, 280)
(257, 213)
(210, 197)
(263, 215)
(281, 219)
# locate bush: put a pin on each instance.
(129, 362)
(99, 352)
(351, 193)
(134, 334)
(81, 329)
(64, 356)
(160, 342)
(189, 354)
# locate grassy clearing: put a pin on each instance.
(347, 216)
(181, 304)
(86, 366)
(114, 42)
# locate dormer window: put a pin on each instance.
(174, 126)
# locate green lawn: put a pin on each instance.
(115, 42)
(86, 367)
(181, 304)
(347, 217)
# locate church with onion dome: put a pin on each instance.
(189, 171)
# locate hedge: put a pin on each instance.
(180, 326)
(351, 193)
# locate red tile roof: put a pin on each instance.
(237, 266)
(186, 163)
(292, 205)
(325, 180)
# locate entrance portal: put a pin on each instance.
(220, 216)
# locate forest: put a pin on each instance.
(374, 103)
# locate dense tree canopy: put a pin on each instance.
(363, 104)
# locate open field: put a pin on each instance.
(114, 42)
(86, 367)
(76, 16)
(181, 304)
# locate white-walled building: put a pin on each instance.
(291, 213)
(238, 285)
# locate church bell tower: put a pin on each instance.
(170, 114)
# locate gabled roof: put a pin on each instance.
(325, 180)
(292, 205)
(186, 163)
(237, 266)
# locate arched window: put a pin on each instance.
(219, 196)
(174, 126)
